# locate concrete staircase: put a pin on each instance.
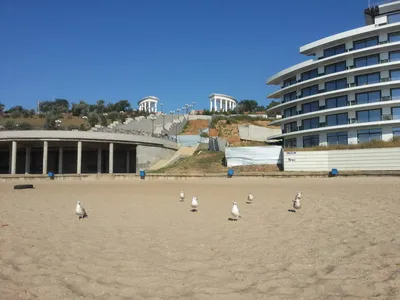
(181, 153)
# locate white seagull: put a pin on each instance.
(182, 196)
(296, 203)
(235, 211)
(194, 204)
(250, 198)
(80, 211)
(298, 195)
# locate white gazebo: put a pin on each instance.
(148, 104)
(221, 102)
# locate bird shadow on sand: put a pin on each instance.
(249, 202)
(232, 219)
(291, 210)
(85, 216)
(193, 210)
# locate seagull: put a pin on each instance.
(80, 211)
(298, 195)
(182, 196)
(250, 198)
(194, 204)
(296, 203)
(235, 212)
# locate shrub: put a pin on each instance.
(25, 126)
(113, 115)
(93, 119)
(9, 125)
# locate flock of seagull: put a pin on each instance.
(235, 213)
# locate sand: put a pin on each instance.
(140, 242)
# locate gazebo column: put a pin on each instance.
(60, 160)
(99, 166)
(27, 160)
(79, 158)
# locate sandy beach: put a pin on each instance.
(140, 242)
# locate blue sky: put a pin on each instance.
(178, 50)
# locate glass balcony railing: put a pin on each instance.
(384, 117)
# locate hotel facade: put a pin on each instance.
(349, 92)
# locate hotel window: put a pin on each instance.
(369, 97)
(394, 37)
(366, 61)
(336, 102)
(394, 55)
(396, 113)
(367, 135)
(395, 94)
(372, 115)
(337, 119)
(396, 132)
(290, 143)
(395, 74)
(289, 112)
(289, 81)
(310, 141)
(360, 44)
(336, 84)
(309, 75)
(311, 123)
(290, 127)
(289, 97)
(335, 50)
(337, 138)
(368, 78)
(393, 18)
(310, 107)
(309, 91)
(333, 68)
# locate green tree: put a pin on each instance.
(272, 104)
(80, 109)
(248, 105)
(2, 107)
(50, 123)
(15, 114)
(103, 121)
(113, 115)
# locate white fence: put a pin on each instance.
(380, 159)
(244, 156)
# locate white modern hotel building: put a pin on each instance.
(350, 92)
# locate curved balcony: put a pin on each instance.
(332, 76)
(384, 101)
(386, 119)
(317, 63)
(351, 87)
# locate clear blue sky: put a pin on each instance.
(178, 50)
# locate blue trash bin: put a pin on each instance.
(51, 175)
(230, 173)
(142, 174)
(334, 173)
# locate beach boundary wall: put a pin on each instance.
(245, 156)
(250, 132)
(382, 159)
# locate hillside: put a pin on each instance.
(193, 126)
(207, 162)
(38, 123)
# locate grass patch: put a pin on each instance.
(209, 162)
(395, 142)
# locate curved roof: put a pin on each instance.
(148, 98)
(222, 96)
(88, 136)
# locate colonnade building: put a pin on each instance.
(349, 92)
(149, 104)
(221, 102)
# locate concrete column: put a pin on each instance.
(45, 152)
(99, 150)
(13, 157)
(60, 160)
(215, 104)
(111, 159)
(128, 157)
(211, 105)
(226, 105)
(27, 160)
(79, 158)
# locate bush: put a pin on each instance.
(93, 119)
(113, 116)
(73, 127)
(9, 125)
(103, 121)
(25, 126)
(82, 127)
(15, 114)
